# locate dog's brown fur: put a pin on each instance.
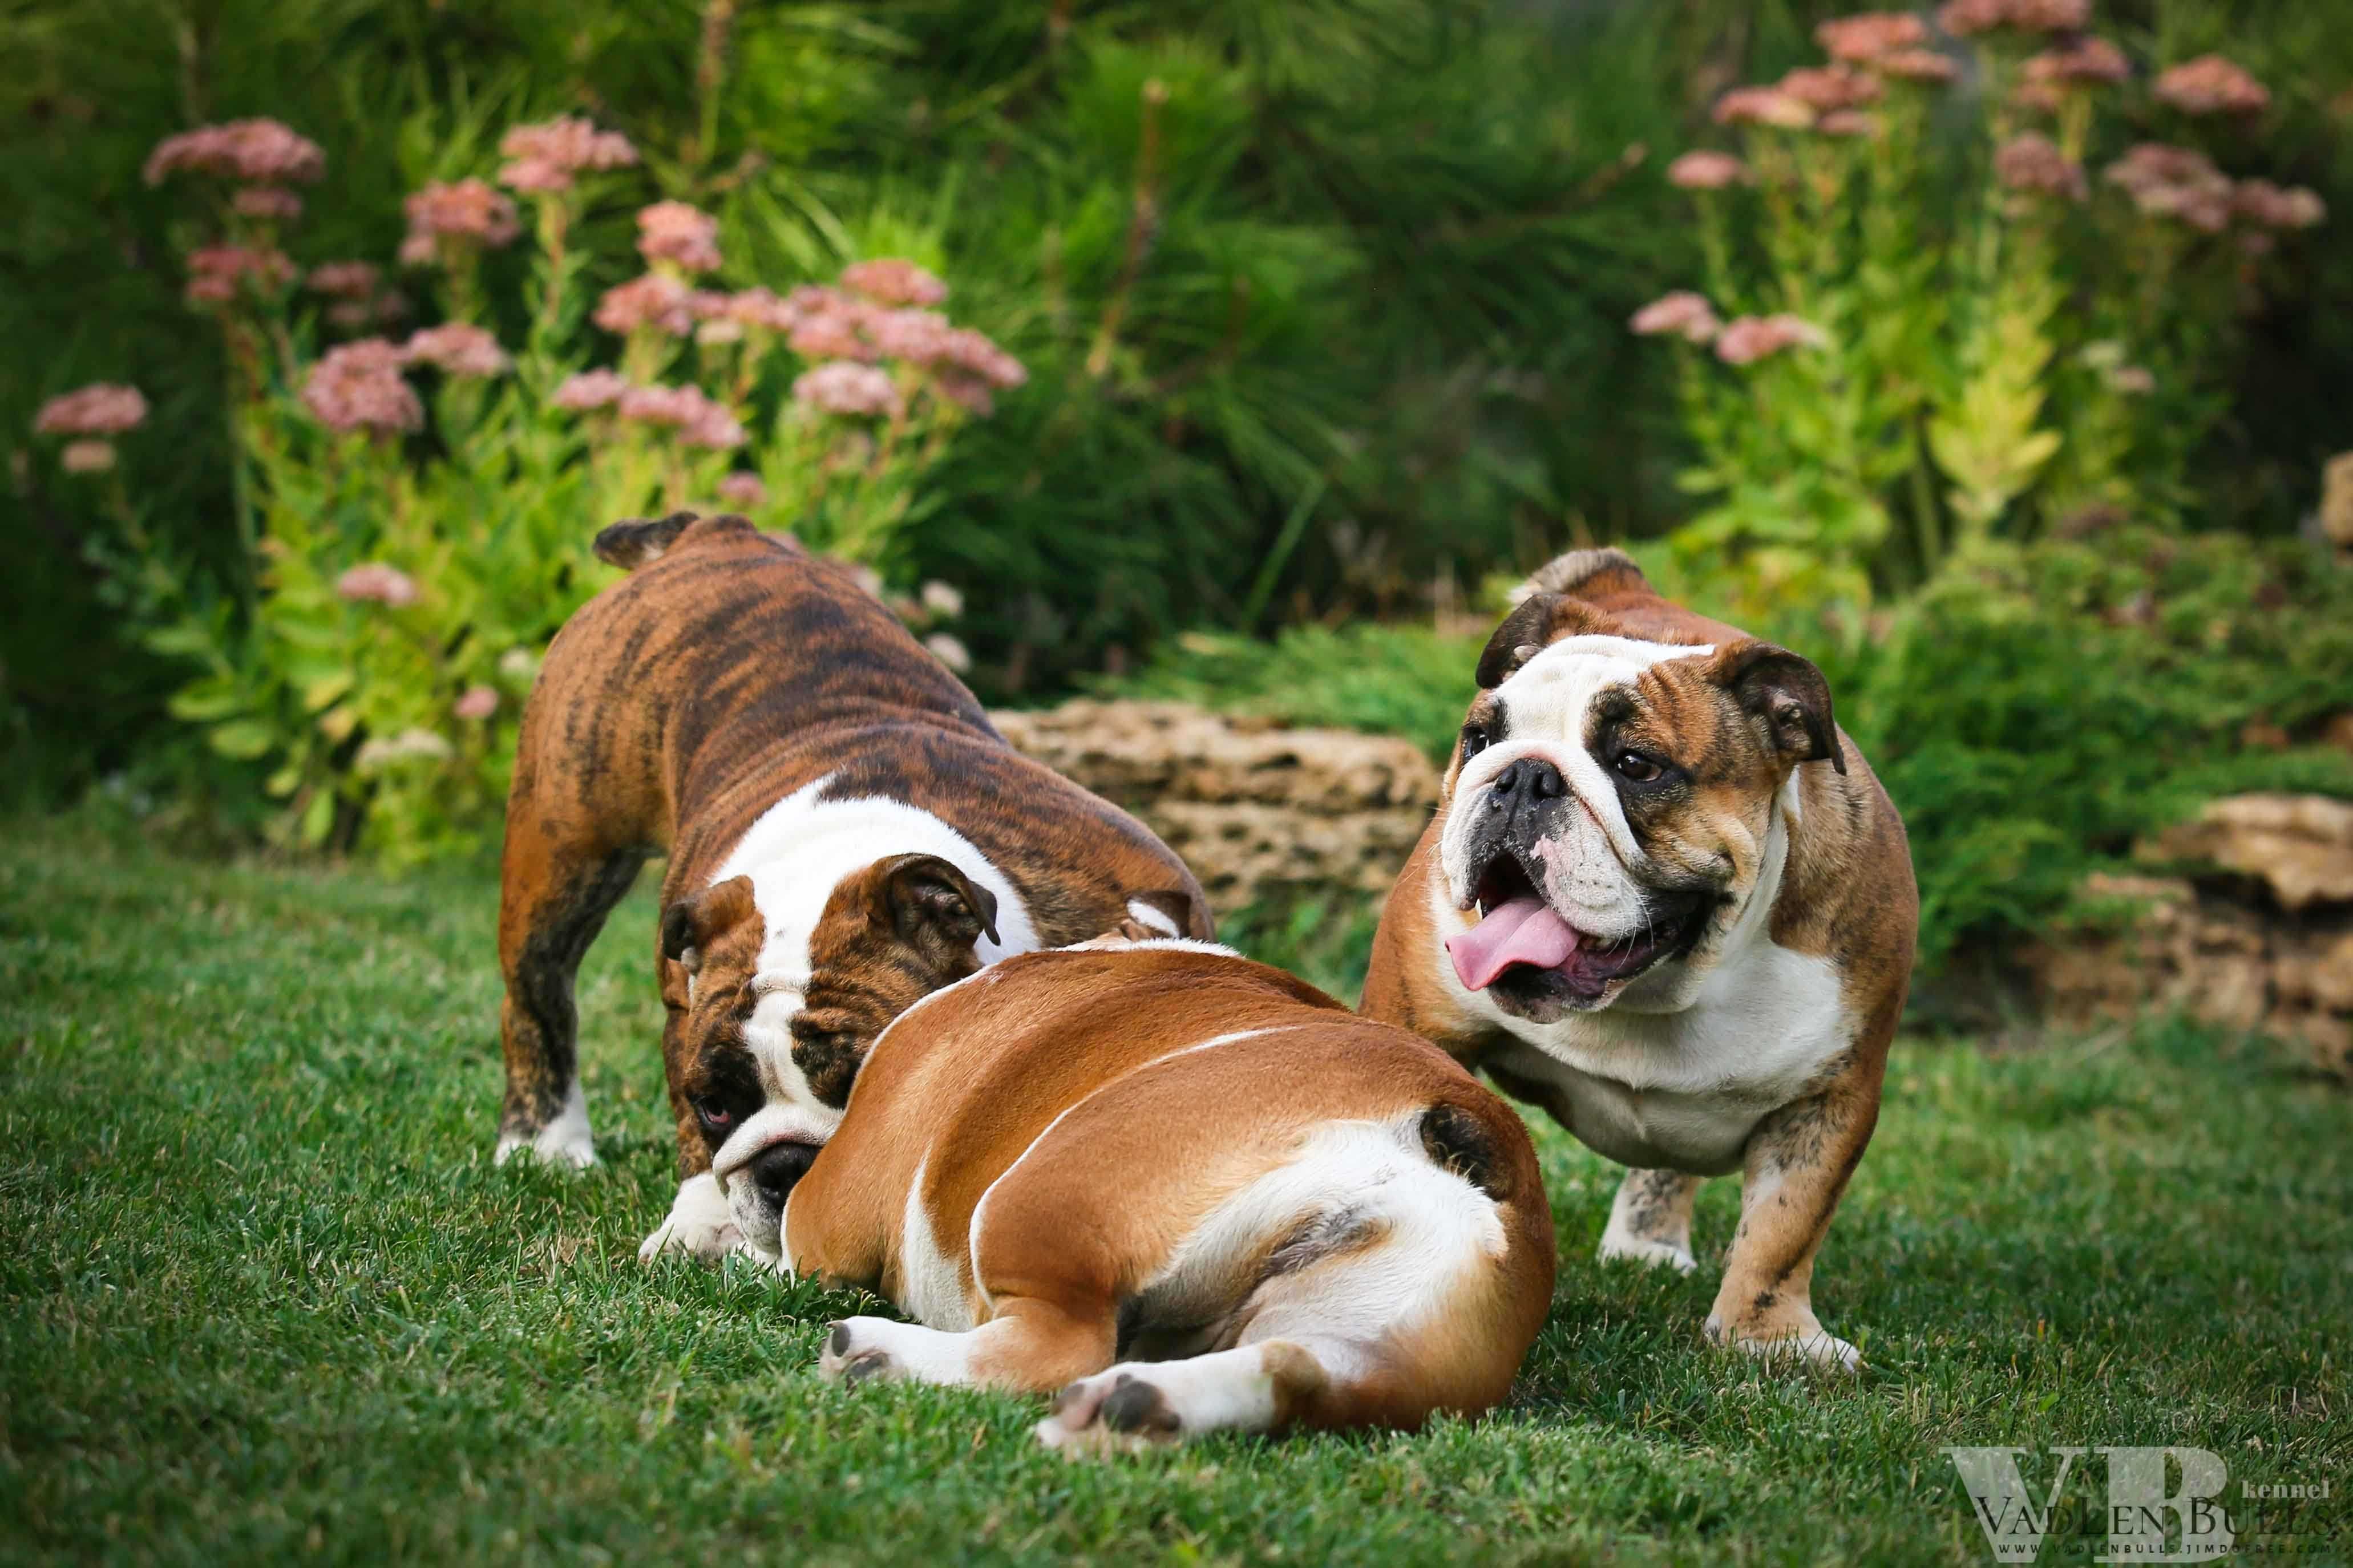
(728, 669)
(1060, 1087)
(1847, 895)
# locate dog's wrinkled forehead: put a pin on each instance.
(1556, 689)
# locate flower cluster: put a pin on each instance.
(2268, 206)
(1705, 170)
(684, 237)
(218, 273)
(2035, 164)
(845, 386)
(2174, 183)
(1870, 36)
(2211, 85)
(1683, 314)
(456, 348)
(358, 386)
(260, 152)
(1748, 339)
(698, 420)
(93, 414)
(100, 409)
(551, 155)
(462, 215)
(892, 281)
(477, 703)
(272, 201)
(375, 583)
(1963, 18)
(409, 746)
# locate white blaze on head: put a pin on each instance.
(1546, 705)
(798, 853)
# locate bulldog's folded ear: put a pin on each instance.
(1535, 623)
(922, 894)
(1788, 693)
(690, 925)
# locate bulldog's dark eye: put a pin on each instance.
(714, 1115)
(1474, 740)
(1636, 768)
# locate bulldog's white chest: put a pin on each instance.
(1683, 1090)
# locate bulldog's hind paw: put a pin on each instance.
(1119, 1411)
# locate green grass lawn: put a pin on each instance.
(265, 1295)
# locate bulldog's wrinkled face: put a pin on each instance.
(1610, 808)
(770, 1015)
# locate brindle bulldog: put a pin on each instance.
(846, 835)
(1664, 898)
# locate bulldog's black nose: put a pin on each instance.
(775, 1168)
(1524, 780)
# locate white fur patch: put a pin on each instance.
(797, 854)
(701, 1223)
(566, 1140)
(1144, 914)
(930, 1289)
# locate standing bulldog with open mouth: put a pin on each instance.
(1664, 898)
(846, 833)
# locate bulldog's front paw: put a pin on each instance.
(701, 1223)
(566, 1140)
(1117, 1412)
(1809, 1344)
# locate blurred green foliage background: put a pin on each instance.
(1349, 332)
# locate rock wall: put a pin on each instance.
(1256, 810)
(2255, 933)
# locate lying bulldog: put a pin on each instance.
(1664, 898)
(1190, 1192)
(846, 833)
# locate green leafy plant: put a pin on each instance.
(417, 551)
(1900, 378)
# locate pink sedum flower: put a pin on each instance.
(477, 703)
(844, 386)
(457, 348)
(918, 337)
(2035, 164)
(1964, 18)
(2175, 182)
(1705, 170)
(949, 651)
(1827, 87)
(375, 582)
(833, 332)
(1865, 37)
(358, 386)
(1683, 314)
(550, 155)
(2268, 206)
(1763, 106)
(1848, 122)
(2085, 61)
(91, 456)
(684, 237)
(656, 302)
(1917, 65)
(465, 213)
(1748, 339)
(893, 280)
(760, 309)
(590, 389)
(744, 489)
(102, 408)
(2211, 85)
(967, 391)
(697, 420)
(217, 274)
(263, 152)
(971, 350)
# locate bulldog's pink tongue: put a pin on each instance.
(1524, 931)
